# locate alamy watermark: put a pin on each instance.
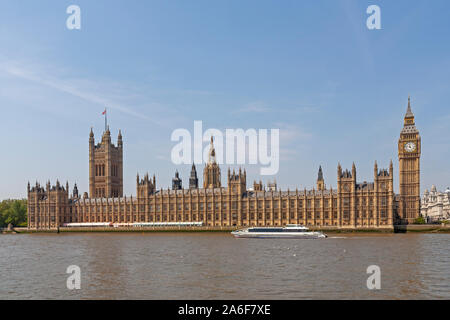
(374, 20)
(74, 20)
(74, 280)
(374, 280)
(250, 146)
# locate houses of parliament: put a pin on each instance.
(352, 204)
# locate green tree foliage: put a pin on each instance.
(420, 220)
(14, 212)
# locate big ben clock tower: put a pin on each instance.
(409, 148)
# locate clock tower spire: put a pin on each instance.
(409, 150)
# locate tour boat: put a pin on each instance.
(290, 231)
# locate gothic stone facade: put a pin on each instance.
(435, 205)
(351, 205)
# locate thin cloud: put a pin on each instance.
(263, 107)
(291, 133)
(256, 107)
(71, 87)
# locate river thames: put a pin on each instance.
(217, 266)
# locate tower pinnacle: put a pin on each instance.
(212, 152)
(320, 181)
(320, 174)
(409, 113)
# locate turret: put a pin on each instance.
(193, 179)
(91, 137)
(237, 182)
(257, 186)
(320, 180)
(211, 172)
(145, 186)
(176, 182)
(354, 171)
(375, 170)
(119, 139)
(75, 191)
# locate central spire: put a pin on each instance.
(212, 152)
(211, 173)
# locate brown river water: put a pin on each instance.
(217, 266)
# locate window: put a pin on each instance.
(346, 214)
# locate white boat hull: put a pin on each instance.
(279, 235)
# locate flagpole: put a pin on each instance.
(106, 121)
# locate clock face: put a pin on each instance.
(410, 147)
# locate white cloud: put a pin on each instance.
(102, 93)
(257, 106)
(291, 133)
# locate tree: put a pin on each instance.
(13, 211)
(420, 220)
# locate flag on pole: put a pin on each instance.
(106, 121)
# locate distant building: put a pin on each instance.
(352, 204)
(435, 205)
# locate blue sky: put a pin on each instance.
(336, 90)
